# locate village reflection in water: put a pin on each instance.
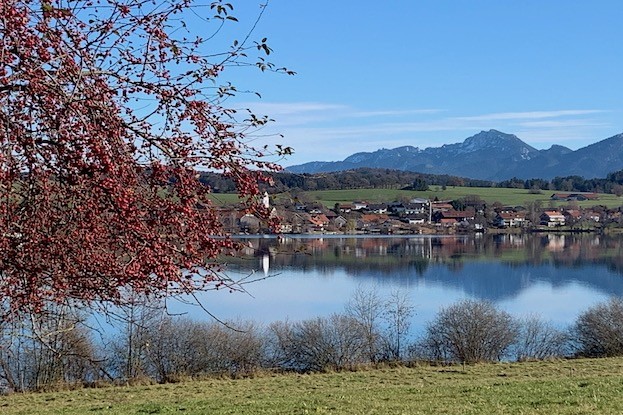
(418, 253)
(556, 276)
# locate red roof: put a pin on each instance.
(455, 214)
(319, 220)
(442, 206)
(574, 213)
(374, 218)
(512, 215)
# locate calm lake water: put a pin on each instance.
(555, 276)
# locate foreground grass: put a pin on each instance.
(564, 387)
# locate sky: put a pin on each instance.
(384, 74)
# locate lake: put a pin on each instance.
(554, 276)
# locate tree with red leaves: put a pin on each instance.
(108, 109)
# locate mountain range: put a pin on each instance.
(488, 155)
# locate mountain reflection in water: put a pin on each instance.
(556, 276)
(493, 267)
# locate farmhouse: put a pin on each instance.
(319, 222)
(592, 216)
(572, 215)
(441, 206)
(344, 208)
(552, 218)
(378, 208)
(415, 219)
(448, 222)
(339, 222)
(417, 206)
(452, 216)
(510, 219)
(372, 223)
(574, 196)
(396, 207)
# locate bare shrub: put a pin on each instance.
(384, 320)
(281, 350)
(242, 348)
(170, 350)
(52, 349)
(397, 313)
(540, 340)
(179, 347)
(318, 344)
(470, 331)
(367, 308)
(599, 330)
(126, 357)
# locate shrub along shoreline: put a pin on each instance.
(151, 346)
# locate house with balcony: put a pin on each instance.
(371, 223)
(510, 219)
(552, 218)
(319, 222)
(451, 217)
(378, 208)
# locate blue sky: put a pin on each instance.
(374, 74)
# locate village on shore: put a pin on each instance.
(424, 216)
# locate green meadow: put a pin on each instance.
(583, 386)
(505, 196)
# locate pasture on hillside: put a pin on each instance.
(510, 197)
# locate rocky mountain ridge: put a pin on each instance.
(488, 155)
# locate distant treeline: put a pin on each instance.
(367, 178)
(613, 183)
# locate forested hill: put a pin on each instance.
(398, 179)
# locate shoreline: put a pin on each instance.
(447, 232)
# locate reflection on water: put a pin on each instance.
(556, 276)
(563, 250)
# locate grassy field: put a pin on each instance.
(490, 194)
(552, 388)
(505, 196)
(224, 198)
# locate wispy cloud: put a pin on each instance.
(561, 123)
(287, 108)
(327, 131)
(301, 112)
(526, 115)
(385, 113)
